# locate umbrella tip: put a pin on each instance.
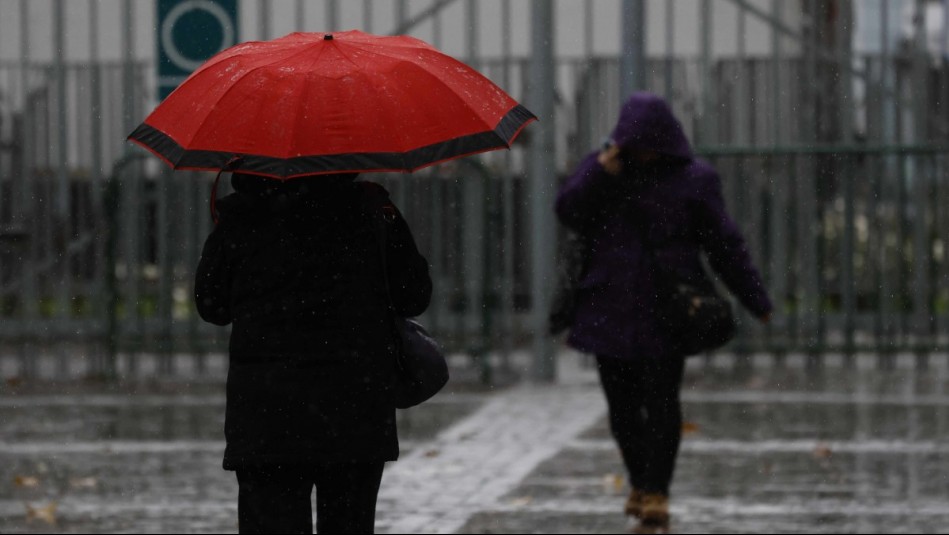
(328, 37)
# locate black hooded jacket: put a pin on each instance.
(295, 268)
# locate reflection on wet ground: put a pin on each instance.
(767, 449)
(107, 463)
(778, 450)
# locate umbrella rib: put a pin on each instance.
(304, 101)
(298, 116)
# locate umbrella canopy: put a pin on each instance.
(313, 103)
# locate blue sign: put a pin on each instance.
(190, 32)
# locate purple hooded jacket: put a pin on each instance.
(673, 208)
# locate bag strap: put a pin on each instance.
(229, 166)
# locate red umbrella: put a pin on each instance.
(312, 103)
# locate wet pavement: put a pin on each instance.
(767, 448)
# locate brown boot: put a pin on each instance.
(634, 504)
(654, 515)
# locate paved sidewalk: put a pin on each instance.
(472, 466)
(768, 449)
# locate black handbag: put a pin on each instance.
(574, 257)
(421, 368)
(696, 318)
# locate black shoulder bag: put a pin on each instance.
(694, 316)
(421, 369)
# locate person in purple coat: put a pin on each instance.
(645, 203)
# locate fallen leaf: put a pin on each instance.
(432, 453)
(689, 428)
(46, 514)
(614, 483)
(523, 501)
(84, 482)
(822, 451)
(26, 481)
(14, 382)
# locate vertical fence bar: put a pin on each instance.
(708, 103)
(942, 181)
(436, 251)
(879, 233)
(945, 32)
(99, 308)
(507, 194)
(741, 135)
(588, 16)
(888, 101)
(367, 15)
(542, 184)
(437, 29)
(332, 15)
(922, 246)
(130, 197)
(474, 222)
(62, 233)
(807, 209)
(893, 305)
(669, 63)
(27, 208)
(209, 334)
(192, 242)
(935, 243)
(263, 19)
(776, 123)
(401, 16)
(471, 33)
(301, 16)
(842, 38)
(902, 291)
(779, 205)
(792, 334)
(942, 177)
(813, 202)
(163, 223)
(633, 51)
(847, 259)
(401, 13)
(740, 207)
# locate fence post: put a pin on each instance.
(542, 184)
(27, 201)
(633, 53)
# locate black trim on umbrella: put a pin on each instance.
(179, 158)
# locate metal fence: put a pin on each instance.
(835, 167)
(851, 242)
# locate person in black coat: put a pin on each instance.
(295, 268)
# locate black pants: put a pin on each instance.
(276, 499)
(645, 416)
